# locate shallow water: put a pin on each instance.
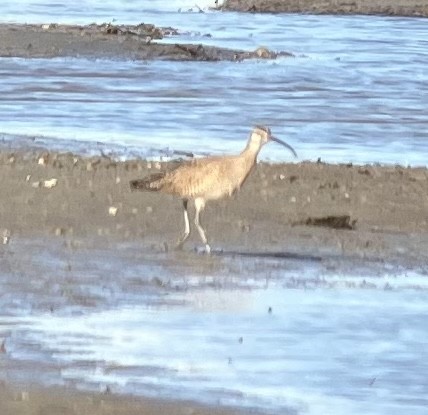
(357, 90)
(283, 336)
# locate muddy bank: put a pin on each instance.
(136, 42)
(56, 401)
(75, 241)
(415, 8)
(280, 208)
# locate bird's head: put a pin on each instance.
(262, 135)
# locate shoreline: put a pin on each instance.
(280, 208)
(107, 41)
(399, 8)
(22, 400)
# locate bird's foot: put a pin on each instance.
(205, 250)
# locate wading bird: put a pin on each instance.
(208, 178)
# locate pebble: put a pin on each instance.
(112, 211)
(42, 161)
(5, 236)
(50, 183)
(59, 231)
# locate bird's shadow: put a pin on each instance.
(274, 255)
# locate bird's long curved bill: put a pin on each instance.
(284, 144)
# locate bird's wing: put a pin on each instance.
(197, 178)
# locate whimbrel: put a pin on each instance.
(208, 178)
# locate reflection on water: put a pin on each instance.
(316, 350)
(357, 90)
(273, 333)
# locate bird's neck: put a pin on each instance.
(249, 157)
(251, 151)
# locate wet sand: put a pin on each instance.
(62, 215)
(66, 195)
(414, 8)
(136, 42)
(80, 210)
(59, 401)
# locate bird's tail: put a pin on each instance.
(152, 183)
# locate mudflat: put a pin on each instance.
(59, 401)
(108, 41)
(415, 8)
(81, 211)
(306, 208)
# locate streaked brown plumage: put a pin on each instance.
(208, 178)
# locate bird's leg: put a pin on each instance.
(199, 205)
(186, 226)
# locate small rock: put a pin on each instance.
(50, 183)
(35, 184)
(293, 199)
(27, 179)
(59, 231)
(149, 209)
(134, 211)
(263, 53)
(112, 211)
(5, 237)
(117, 180)
(42, 161)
